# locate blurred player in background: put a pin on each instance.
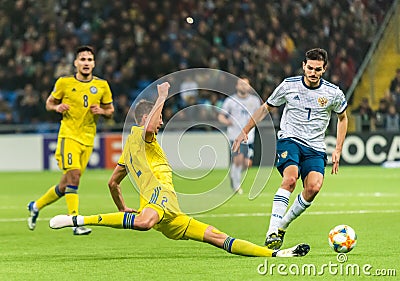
(81, 99)
(147, 164)
(309, 101)
(236, 112)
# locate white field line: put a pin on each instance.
(317, 213)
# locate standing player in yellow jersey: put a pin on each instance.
(147, 164)
(81, 99)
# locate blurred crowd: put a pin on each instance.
(137, 42)
(387, 116)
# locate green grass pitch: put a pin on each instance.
(366, 198)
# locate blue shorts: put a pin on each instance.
(307, 159)
(247, 149)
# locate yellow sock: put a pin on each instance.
(52, 195)
(115, 220)
(245, 248)
(72, 199)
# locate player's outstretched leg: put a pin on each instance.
(147, 218)
(296, 251)
(115, 220)
(62, 221)
(245, 248)
(207, 233)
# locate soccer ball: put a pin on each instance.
(342, 238)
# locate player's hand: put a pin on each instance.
(96, 109)
(163, 89)
(129, 210)
(62, 107)
(242, 137)
(335, 162)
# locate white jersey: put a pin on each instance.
(307, 111)
(239, 111)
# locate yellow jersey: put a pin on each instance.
(146, 162)
(78, 122)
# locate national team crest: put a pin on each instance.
(284, 154)
(93, 90)
(322, 101)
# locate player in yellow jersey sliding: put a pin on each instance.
(81, 99)
(146, 162)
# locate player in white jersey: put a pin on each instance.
(236, 112)
(309, 101)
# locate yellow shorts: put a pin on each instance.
(72, 155)
(173, 223)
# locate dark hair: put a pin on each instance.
(142, 107)
(317, 54)
(84, 48)
(242, 77)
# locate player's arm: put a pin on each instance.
(106, 110)
(340, 136)
(54, 101)
(258, 116)
(116, 178)
(53, 104)
(153, 120)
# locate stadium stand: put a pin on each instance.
(140, 41)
